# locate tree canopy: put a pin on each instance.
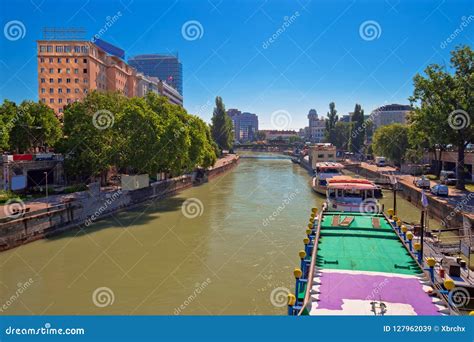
(391, 141)
(28, 126)
(133, 135)
(443, 104)
(222, 126)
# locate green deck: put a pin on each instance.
(361, 247)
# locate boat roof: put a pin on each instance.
(363, 264)
(329, 165)
(347, 182)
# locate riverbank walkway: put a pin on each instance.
(42, 203)
(463, 200)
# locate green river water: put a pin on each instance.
(235, 257)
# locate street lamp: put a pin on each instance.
(46, 178)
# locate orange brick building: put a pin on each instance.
(68, 70)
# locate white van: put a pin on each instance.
(380, 161)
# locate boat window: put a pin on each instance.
(352, 193)
(370, 193)
(339, 192)
(332, 193)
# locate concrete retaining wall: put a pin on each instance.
(90, 206)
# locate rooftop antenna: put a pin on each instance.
(64, 33)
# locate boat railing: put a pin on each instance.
(314, 253)
(438, 289)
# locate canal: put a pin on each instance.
(226, 247)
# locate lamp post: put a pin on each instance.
(46, 178)
(394, 181)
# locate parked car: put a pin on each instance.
(440, 190)
(422, 182)
(380, 161)
(448, 177)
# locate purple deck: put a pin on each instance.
(337, 286)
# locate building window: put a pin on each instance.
(59, 70)
(60, 110)
(85, 80)
(76, 71)
(51, 80)
(43, 100)
(51, 60)
(43, 80)
(51, 90)
(60, 100)
(59, 48)
(69, 100)
(68, 71)
(67, 48)
(42, 70)
(76, 80)
(84, 71)
(68, 91)
(49, 48)
(84, 49)
(77, 49)
(68, 80)
(42, 60)
(75, 60)
(85, 60)
(76, 91)
(43, 90)
(59, 60)
(51, 100)
(60, 80)
(85, 90)
(60, 90)
(42, 48)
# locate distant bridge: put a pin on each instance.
(280, 157)
(264, 147)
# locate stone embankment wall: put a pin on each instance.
(452, 217)
(88, 207)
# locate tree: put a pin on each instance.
(221, 127)
(8, 112)
(35, 126)
(133, 135)
(331, 123)
(443, 106)
(391, 141)
(357, 136)
(341, 135)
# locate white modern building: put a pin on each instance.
(389, 114)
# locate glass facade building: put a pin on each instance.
(167, 68)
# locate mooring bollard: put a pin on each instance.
(297, 273)
(302, 255)
(291, 303)
(417, 247)
(410, 238)
(431, 262)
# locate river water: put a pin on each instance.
(231, 251)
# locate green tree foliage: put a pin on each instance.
(391, 141)
(443, 107)
(28, 126)
(8, 112)
(357, 136)
(342, 131)
(331, 123)
(137, 135)
(221, 127)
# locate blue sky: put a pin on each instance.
(319, 57)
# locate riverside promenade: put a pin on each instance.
(45, 217)
(458, 201)
(40, 204)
